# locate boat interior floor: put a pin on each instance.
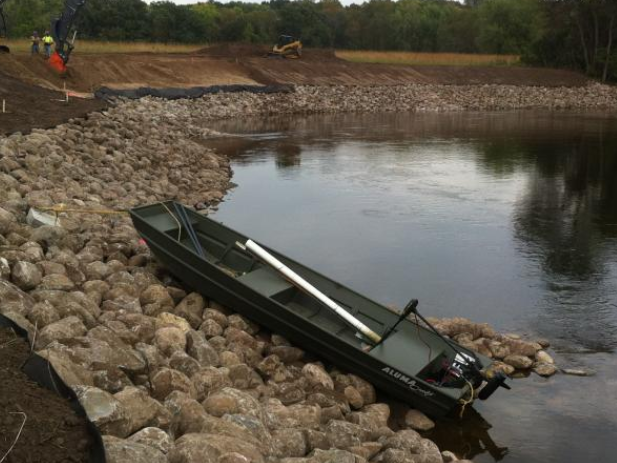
(406, 349)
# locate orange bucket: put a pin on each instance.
(57, 63)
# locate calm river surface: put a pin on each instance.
(506, 218)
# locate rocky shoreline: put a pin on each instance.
(170, 376)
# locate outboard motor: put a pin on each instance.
(492, 384)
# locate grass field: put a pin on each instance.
(424, 59)
(383, 57)
(23, 46)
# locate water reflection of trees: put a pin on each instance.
(564, 221)
(288, 154)
(570, 201)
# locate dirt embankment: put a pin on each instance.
(87, 73)
(30, 88)
(40, 425)
(248, 64)
(29, 106)
(323, 67)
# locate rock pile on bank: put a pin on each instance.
(370, 99)
(510, 353)
(168, 375)
(123, 157)
(402, 98)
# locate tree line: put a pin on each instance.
(566, 33)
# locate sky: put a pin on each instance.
(188, 2)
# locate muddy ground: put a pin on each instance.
(52, 432)
(29, 106)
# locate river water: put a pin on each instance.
(507, 218)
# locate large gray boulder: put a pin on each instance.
(130, 451)
(295, 416)
(317, 376)
(418, 421)
(56, 281)
(71, 373)
(141, 408)
(208, 448)
(154, 437)
(170, 339)
(105, 411)
(209, 380)
(26, 275)
(343, 435)
(289, 443)
(520, 362)
(5, 269)
(13, 299)
(166, 380)
(372, 416)
(43, 314)
(191, 308)
(62, 331)
(234, 401)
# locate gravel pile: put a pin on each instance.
(167, 375)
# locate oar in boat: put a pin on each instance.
(308, 288)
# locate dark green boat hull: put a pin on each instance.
(392, 367)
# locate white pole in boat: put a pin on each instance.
(301, 283)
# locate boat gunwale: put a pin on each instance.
(442, 394)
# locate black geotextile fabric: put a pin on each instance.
(106, 93)
(42, 372)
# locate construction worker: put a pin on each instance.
(48, 41)
(36, 40)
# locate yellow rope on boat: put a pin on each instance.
(58, 208)
(464, 402)
(175, 218)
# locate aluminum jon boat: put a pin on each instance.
(397, 353)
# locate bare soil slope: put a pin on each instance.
(322, 67)
(87, 73)
(247, 64)
(52, 432)
(29, 106)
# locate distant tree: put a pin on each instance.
(334, 16)
(581, 35)
(509, 26)
(567, 33)
(208, 14)
(458, 31)
(114, 20)
(25, 16)
(304, 19)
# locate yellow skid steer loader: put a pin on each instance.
(287, 47)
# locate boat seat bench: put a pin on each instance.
(265, 281)
(398, 351)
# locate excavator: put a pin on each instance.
(61, 28)
(3, 48)
(287, 47)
